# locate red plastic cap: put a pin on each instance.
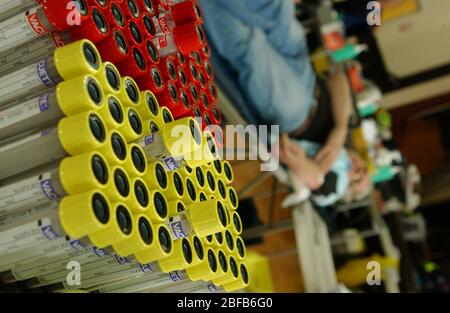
(192, 72)
(204, 101)
(152, 80)
(169, 96)
(147, 25)
(95, 27)
(63, 14)
(133, 65)
(168, 69)
(151, 53)
(131, 8)
(186, 12)
(115, 47)
(147, 6)
(215, 115)
(189, 37)
(193, 94)
(115, 15)
(208, 70)
(182, 80)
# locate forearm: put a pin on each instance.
(341, 99)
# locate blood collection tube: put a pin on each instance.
(241, 282)
(168, 69)
(232, 199)
(202, 219)
(69, 97)
(114, 48)
(156, 176)
(147, 6)
(115, 148)
(73, 175)
(134, 64)
(75, 59)
(184, 38)
(75, 216)
(169, 96)
(174, 140)
(76, 134)
(152, 80)
(132, 129)
(110, 78)
(52, 15)
(131, 8)
(136, 163)
(148, 107)
(152, 54)
(10, 8)
(182, 80)
(183, 108)
(115, 15)
(94, 28)
(147, 25)
(178, 14)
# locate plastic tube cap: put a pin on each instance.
(189, 37)
(85, 213)
(208, 217)
(79, 94)
(77, 58)
(63, 14)
(83, 172)
(81, 133)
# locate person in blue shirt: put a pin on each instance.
(264, 44)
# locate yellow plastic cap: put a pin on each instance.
(198, 250)
(208, 217)
(182, 136)
(157, 210)
(129, 93)
(180, 258)
(84, 213)
(162, 249)
(240, 251)
(136, 162)
(176, 188)
(205, 154)
(119, 186)
(110, 79)
(175, 207)
(118, 230)
(235, 223)
(221, 190)
(232, 199)
(206, 269)
(139, 198)
(149, 108)
(132, 128)
(143, 236)
(77, 58)
(79, 94)
(191, 191)
(83, 172)
(166, 116)
(228, 173)
(115, 148)
(242, 281)
(222, 264)
(156, 176)
(231, 276)
(218, 240)
(112, 112)
(229, 242)
(82, 132)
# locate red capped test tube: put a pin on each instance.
(52, 15)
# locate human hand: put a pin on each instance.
(330, 151)
(304, 169)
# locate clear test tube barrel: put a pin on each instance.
(30, 52)
(75, 59)
(40, 20)
(10, 8)
(192, 287)
(74, 135)
(68, 98)
(73, 175)
(31, 233)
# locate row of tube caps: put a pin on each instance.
(128, 34)
(125, 162)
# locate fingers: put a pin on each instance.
(322, 154)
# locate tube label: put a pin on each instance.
(27, 192)
(27, 80)
(23, 111)
(21, 237)
(19, 29)
(180, 227)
